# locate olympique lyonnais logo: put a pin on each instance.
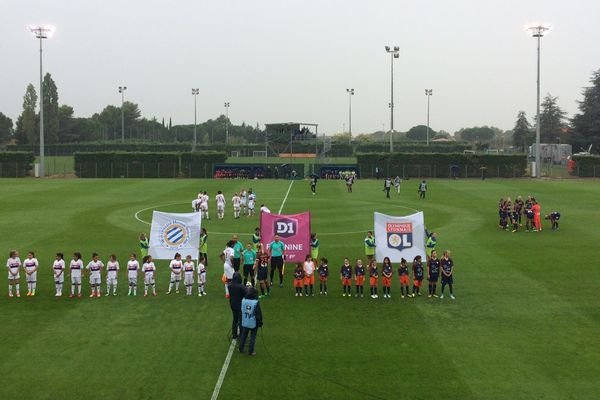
(174, 235)
(286, 227)
(399, 235)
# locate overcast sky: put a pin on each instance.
(292, 60)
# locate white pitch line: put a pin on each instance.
(285, 198)
(215, 394)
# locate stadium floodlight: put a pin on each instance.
(195, 93)
(428, 93)
(538, 31)
(227, 123)
(394, 53)
(350, 94)
(122, 90)
(41, 32)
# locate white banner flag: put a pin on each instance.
(399, 237)
(174, 233)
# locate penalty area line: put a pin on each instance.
(215, 394)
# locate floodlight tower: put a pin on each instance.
(350, 94)
(227, 123)
(538, 31)
(195, 93)
(394, 53)
(122, 90)
(428, 93)
(41, 32)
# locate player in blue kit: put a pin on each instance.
(346, 277)
(447, 273)
(323, 271)
(433, 273)
(387, 270)
(529, 214)
(417, 276)
(359, 278)
(404, 278)
(553, 217)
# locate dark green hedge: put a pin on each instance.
(587, 166)
(16, 164)
(428, 165)
(146, 165)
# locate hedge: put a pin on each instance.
(428, 165)
(587, 166)
(16, 164)
(146, 165)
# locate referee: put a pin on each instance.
(277, 255)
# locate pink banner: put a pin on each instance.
(293, 231)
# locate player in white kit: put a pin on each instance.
(251, 203)
(76, 267)
(176, 267)
(220, 198)
(227, 257)
(204, 205)
(237, 204)
(244, 196)
(112, 272)
(132, 270)
(149, 270)
(201, 277)
(58, 269)
(188, 275)
(13, 264)
(30, 265)
(94, 268)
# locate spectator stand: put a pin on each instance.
(338, 171)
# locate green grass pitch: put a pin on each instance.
(525, 324)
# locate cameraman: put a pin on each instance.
(251, 320)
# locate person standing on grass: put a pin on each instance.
(447, 274)
(262, 271)
(370, 246)
(430, 242)
(176, 266)
(298, 279)
(13, 264)
(373, 278)
(537, 212)
(418, 275)
(404, 278)
(422, 189)
(132, 272)
(30, 265)
(238, 248)
(228, 271)
(149, 270)
(359, 278)
(323, 276)
(313, 183)
(314, 246)
(252, 319)
(309, 275)
(529, 224)
(236, 201)
(58, 267)
(349, 182)
(236, 293)
(220, 199)
(95, 269)
(387, 185)
(202, 276)
(256, 238)
(397, 182)
(433, 273)
(204, 245)
(387, 271)
(112, 271)
(144, 245)
(188, 270)
(519, 205)
(75, 267)
(346, 277)
(249, 256)
(277, 256)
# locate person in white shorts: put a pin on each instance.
(251, 203)
(220, 198)
(75, 267)
(94, 268)
(227, 258)
(112, 272)
(244, 196)
(58, 268)
(149, 270)
(132, 270)
(237, 204)
(188, 278)
(175, 266)
(201, 277)
(12, 265)
(30, 265)
(204, 205)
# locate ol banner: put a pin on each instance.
(399, 237)
(293, 231)
(174, 233)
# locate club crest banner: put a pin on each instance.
(293, 231)
(399, 237)
(174, 233)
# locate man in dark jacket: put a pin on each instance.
(251, 320)
(236, 293)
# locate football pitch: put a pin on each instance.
(525, 323)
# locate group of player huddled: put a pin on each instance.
(180, 270)
(511, 215)
(243, 202)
